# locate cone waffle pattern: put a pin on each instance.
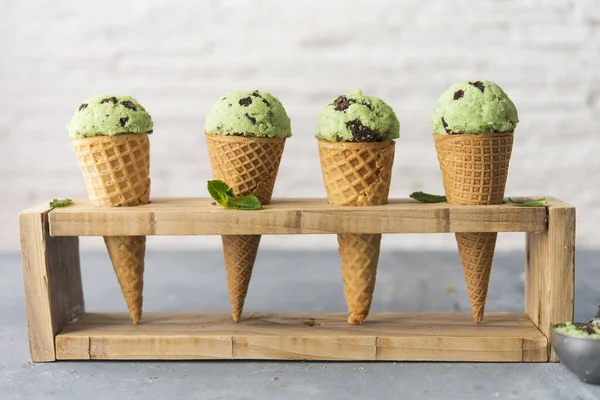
(127, 256)
(476, 254)
(357, 174)
(115, 169)
(240, 253)
(249, 166)
(474, 167)
(359, 255)
(474, 170)
(116, 172)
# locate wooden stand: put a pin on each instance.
(60, 329)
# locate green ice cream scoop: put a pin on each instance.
(109, 116)
(474, 107)
(355, 117)
(581, 330)
(250, 114)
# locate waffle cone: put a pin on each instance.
(476, 252)
(127, 256)
(240, 253)
(249, 166)
(357, 174)
(116, 173)
(474, 171)
(359, 255)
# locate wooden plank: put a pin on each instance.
(299, 216)
(550, 270)
(385, 336)
(52, 281)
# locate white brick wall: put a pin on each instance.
(177, 57)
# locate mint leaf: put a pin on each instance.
(427, 198)
(535, 203)
(219, 191)
(244, 203)
(224, 195)
(60, 202)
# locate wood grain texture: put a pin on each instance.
(550, 270)
(307, 216)
(385, 336)
(52, 282)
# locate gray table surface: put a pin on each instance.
(289, 282)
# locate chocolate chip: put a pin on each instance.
(83, 106)
(368, 105)
(342, 103)
(445, 126)
(459, 94)
(123, 121)
(110, 100)
(150, 131)
(246, 101)
(255, 93)
(252, 119)
(129, 104)
(230, 105)
(360, 132)
(266, 102)
(588, 329)
(479, 85)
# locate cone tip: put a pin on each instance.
(236, 315)
(478, 316)
(356, 318)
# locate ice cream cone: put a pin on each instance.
(116, 173)
(474, 170)
(249, 165)
(357, 174)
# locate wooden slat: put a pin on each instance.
(385, 336)
(52, 280)
(306, 216)
(550, 270)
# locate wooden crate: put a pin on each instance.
(60, 329)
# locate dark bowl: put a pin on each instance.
(580, 355)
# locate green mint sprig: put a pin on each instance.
(535, 203)
(224, 195)
(63, 202)
(433, 198)
(427, 198)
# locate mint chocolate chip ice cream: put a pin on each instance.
(588, 331)
(250, 114)
(355, 117)
(108, 116)
(474, 107)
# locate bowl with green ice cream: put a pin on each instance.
(245, 135)
(110, 138)
(356, 135)
(577, 346)
(473, 124)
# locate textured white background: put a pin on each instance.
(177, 57)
